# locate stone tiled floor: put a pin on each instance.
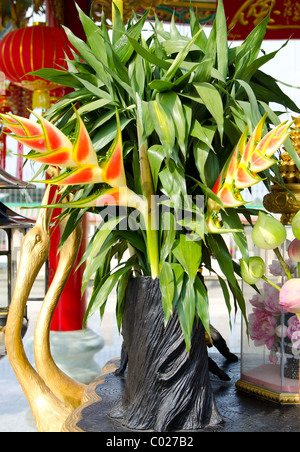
(15, 414)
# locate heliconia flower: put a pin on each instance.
(53, 147)
(272, 141)
(83, 150)
(253, 140)
(241, 168)
(113, 171)
(111, 197)
(213, 224)
(245, 178)
(229, 197)
(253, 271)
(268, 233)
(289, 295)
(86, 174)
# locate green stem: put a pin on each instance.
(271, 283)
(283, 264)
(148, 192)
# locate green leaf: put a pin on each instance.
(231, 220)
(161, 85)
(174, 184)
(186, 311)
(248, 52)
(180, 58)
(87, 55)
(202, 304)
(221, 40)
(255, 113)
(172, 102)
(167, 286)
(251, 69)
(98, 240)
(179, 279)
(121, 296)
(164, 126)
(223, 256)
(203, 133)
(123, 48)
(147, 55)
(169, 236)
(106, 134)
(103, 291)
(188, 254)
(267, 90)
(156, 156)
(136, 75)
(118, 27)
(64, 78)
(94, 38)
(212, 100)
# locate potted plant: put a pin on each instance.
(167, 131)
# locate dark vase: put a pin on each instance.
(166, 389)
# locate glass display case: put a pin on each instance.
(270, 342)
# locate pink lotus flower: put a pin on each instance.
(289, 295)
(293, 326)
(262, 328)
(271, 299)
(257, 301)
(276, 269)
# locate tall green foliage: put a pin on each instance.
(183, 103)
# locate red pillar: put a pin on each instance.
(71, 308)
(72, 20)
(69, 313)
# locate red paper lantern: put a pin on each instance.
(32, 48)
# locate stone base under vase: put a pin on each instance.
(241, 413)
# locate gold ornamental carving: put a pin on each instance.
(164, 9)
(283, 200)
(105, 6)
(267, 394)
(284, 14)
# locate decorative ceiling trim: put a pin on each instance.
(163, 9)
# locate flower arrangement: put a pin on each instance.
(276, 310)
(168, 116)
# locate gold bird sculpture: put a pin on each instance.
(51, 394)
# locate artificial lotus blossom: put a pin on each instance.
(252, 271)
(296, 225)
(294, 250)
(54, 148)
(268, 233)
(289, 296)
(241, 168)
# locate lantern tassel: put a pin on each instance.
(41, 99)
